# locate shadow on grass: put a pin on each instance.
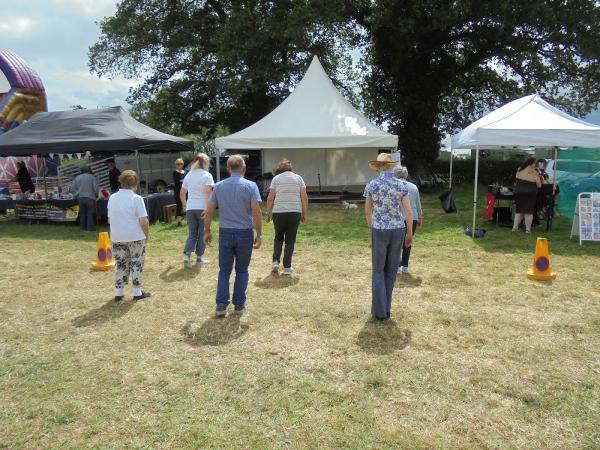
(215, 331)
(276, 281)
(407, 280)
(383, 338)
(170, 275)
(111, 310)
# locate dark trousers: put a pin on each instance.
(286, 227)
(406, 250)
(178, 203)
(87, 213)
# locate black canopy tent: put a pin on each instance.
(105, 130)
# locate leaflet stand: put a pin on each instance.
(586, 219)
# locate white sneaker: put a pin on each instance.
(275, 268)
(287, 271)
(202, 262)
(404, 269)
(186, 261)
(400, 269)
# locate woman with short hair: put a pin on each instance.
(197, 185)
(288, 204)
(129, 232)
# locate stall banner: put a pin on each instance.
(58, 214)
(586, 220)
(31, 211)
(46, 211)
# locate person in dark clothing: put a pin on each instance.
(23, 178)
(178, 176)
(113, 175)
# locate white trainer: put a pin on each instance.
(400, 269)
(405, 269)
(186, 261)
(202, 262)
(287, 271)
(275, 268)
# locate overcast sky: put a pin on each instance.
(53, 36)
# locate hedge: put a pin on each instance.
(491, 171)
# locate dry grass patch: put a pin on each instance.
(476, 355)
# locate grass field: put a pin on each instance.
(476, 355)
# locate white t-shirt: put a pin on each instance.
(287, 187)
(195, 182)
(125, 208)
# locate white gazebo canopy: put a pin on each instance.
(315, 115)
(526, 122)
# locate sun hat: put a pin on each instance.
(383, 161)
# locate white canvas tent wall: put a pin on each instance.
(527, 122)
(326, 138)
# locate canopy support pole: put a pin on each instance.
(137, 166)
(475, 190)
(451, 158)
(45, 185)
(218, 164)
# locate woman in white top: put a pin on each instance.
(288, 204)
(197, 184)
(129, 233)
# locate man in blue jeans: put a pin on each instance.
(389, 216)
(239, 201)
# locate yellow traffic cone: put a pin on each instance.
(541, 262)
(104, 258)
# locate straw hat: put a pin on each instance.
(384, 161)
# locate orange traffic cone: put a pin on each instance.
(541, 262)
(104, 258)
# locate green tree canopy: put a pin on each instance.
(435, 66)
(430, 66)
(211, 63)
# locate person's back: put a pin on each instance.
(195, 182)
(235, 196)
(125, 208)
(387, 192)
(85, 185)
(415, 199)
(288, 186)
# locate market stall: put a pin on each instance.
(90, 131)
(527, 122)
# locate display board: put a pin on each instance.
(586, 219)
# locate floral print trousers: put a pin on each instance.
(129, 259)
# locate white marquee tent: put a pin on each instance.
(328, 141)
(526, 122)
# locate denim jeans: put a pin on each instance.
(385, 253)
(406, 250)
(286, 227)
(195, 239)
(235, 247)
(87, 213)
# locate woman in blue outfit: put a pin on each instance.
(389, 216)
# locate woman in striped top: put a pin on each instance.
(288, 204)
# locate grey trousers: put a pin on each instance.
(195, 239)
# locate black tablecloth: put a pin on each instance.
(154, 206)
(9, 203)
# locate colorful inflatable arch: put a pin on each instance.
(22, 93)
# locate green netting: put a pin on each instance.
(577, 171)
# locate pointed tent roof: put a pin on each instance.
(315, 115)
(110, 130)
(528, 122)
